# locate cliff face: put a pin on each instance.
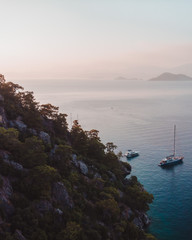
(61, 184)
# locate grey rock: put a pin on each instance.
(60, 195)
(74, 160)
(1, 98)
(59, 211)
(18, 235)
(45, 137)
(33, 131)
(83, 168)
(20, 125)
(3, 118)
(97, 175)
(5, 156)
(53, 150)
(6, 192)
(15, 165)
(138, 222)
(142, 220)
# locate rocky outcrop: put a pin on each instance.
(45, 137)
(74, 160)
(60, 196)
(6, 192)
(15, 165)
(3, 118)
(21, 126)
(5, 156)
(18, 235)
(141, 220)
(83, 168)
(80, 164)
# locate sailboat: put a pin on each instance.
(171, 159)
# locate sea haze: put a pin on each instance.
(138, 115)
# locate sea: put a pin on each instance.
(138, 115)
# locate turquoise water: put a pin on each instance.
(138, 115)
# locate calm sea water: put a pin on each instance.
(138, 115)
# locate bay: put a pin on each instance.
(137, 115)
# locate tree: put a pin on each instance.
(33, 153)
(63, 159)
(41, 178)
(110, 147)
(49, 111)
(71, 232)
(78, 138)
(61, 125)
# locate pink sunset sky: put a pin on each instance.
(46, 39)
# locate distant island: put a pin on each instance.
(171, 77)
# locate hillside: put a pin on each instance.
(61, 184)
(171, 77)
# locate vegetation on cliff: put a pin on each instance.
(57, 183)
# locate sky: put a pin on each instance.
(59, 39)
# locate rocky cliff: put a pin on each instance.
(60, 184)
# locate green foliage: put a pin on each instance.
(71, 232)
(109, 209)
(62, 159)
(41, 178)
(34, 154)
(136, 197)
(97, 211)
(9, 140)
(78, 138)
(39, 235)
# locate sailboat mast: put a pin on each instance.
(174, 140)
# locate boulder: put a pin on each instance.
(5, 156)
(60, 195)
(58, 211)
(45, 137)
(18, 124)
(83, 168)
(74, 160)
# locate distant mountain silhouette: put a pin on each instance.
(171, 77)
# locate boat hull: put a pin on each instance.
(132, 155)
(170, 163)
